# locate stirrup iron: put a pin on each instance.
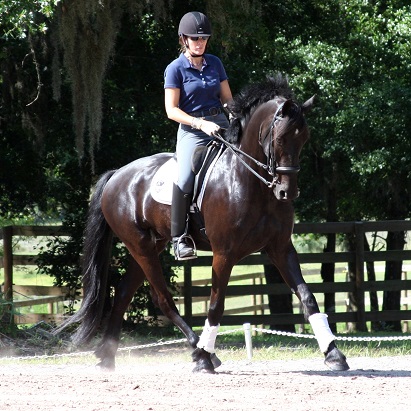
(182, 239)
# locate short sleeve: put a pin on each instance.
(172, 77)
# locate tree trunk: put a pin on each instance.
(393, 271)
(278, 304)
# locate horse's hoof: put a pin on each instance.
(215, 360)
(203, 361)
(202, 367)
(106, 365)
(335, 360)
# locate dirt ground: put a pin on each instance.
(371, 384)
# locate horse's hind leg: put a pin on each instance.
(215, 361)
(289, 267)
(204, 355)
(150, 264)
(124, 292)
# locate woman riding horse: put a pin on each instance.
(196, 87)
(246, 207)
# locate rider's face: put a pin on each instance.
(197, 44)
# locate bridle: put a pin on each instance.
(271, 167)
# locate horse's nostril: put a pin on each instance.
(283, 194)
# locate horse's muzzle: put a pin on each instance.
(283, 192)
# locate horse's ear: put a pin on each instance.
(308, 105)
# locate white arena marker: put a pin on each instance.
(248, 343)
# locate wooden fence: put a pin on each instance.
(191, 291)
(360, 287)
(33, 294)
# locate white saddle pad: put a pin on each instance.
(162, 184)
(161, 187)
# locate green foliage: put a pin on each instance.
(308, 243)
(7, 311)
(360, 144)
(355, 56)
(20, 16)
(60, 256)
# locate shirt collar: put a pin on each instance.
(186, 62)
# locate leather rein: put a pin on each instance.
(271, 166)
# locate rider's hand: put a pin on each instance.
(209, 127)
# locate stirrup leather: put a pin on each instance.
(182, 240)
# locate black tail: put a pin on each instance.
(96, 259)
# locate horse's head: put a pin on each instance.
(268, 109)
(282, 136)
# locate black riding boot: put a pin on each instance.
(184, 247)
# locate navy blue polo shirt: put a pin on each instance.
(198, 90)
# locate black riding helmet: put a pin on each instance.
(193, 24)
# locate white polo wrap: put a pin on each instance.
(208, 337)
(322, 332)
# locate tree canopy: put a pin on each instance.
(82, 92)
(97, 66)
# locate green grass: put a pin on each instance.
(229, 347)
(268, 347)
(28, 275)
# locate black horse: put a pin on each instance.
(246, 208)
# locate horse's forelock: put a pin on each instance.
(294, 120)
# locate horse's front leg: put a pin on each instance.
(289, 267)
(204, 355)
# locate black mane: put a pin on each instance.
(253, 95)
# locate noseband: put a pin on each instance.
(271, 166)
